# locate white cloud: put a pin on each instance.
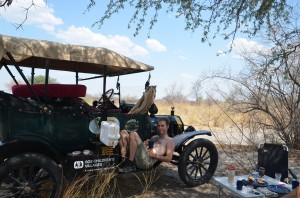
(155, 45)
(242, 46)
(39, 14)
(117, 43)
(139, 50)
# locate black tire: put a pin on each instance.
(198, 162)
(30, 175)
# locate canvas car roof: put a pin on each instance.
(66, 57)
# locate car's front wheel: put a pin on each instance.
(198, 162)
(30, 175)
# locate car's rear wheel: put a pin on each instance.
(198, 162)
(30, 175)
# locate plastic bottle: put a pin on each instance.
(231, 173)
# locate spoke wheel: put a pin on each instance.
(198, 162)
(29, 175)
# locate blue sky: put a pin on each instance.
(177, 55)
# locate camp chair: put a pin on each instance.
(274, 158)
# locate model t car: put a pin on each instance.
(49, 133)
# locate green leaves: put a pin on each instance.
(225, 17)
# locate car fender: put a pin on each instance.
(25, 144)
(181, 139)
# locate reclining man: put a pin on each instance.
(140, 155)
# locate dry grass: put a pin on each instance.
(202, 115)
(100, 184)
(110, 184)
(146, 179)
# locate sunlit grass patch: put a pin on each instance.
(100, 184)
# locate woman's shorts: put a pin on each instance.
(142, 159)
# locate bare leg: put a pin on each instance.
(124, 141)
(134, 141)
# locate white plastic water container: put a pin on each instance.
(109, 133)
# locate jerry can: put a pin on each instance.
(109, 133)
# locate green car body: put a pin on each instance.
(51, 128)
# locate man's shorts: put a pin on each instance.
(142, 159)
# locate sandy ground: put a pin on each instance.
(167, 183)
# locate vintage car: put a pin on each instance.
(49, 133)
